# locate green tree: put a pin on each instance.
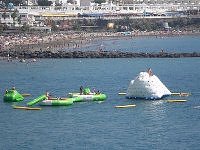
(53, 25)
(14, 15)
(19, 19)
(71, 1)
(44, 3)
(1, 28)
(101, 23)
(4, 14)
(15, 2)
(25, 27)
(99, 1)
(77, 26)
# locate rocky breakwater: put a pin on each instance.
(92, 54)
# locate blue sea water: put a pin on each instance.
(92, 125)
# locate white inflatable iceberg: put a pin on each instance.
(147, 86)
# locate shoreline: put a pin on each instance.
(59, 41)
(60, 45)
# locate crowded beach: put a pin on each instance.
(59, 41)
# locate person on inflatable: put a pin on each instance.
(81, 90)
(150, 72)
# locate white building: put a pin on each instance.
(61, 2)
(65, 2)
(6, 17)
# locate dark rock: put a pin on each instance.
(92, 54)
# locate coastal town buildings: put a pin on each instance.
(35, 15)
(163, 1)
(84, 2)
(143, 1)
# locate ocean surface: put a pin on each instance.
(156, 125)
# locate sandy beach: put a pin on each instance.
(59, 41)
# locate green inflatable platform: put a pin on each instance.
(12, 96)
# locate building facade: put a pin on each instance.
(36, 15)
(163, 1)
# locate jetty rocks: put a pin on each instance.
(92, 54)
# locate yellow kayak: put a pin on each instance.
(121, 93)
(176, 100)
(125, 106)
(181, 94)
(26, 94)
(26, 108)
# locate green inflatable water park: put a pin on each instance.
(87, 95)
(12, 96)
(58, 102)
(37, 100)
